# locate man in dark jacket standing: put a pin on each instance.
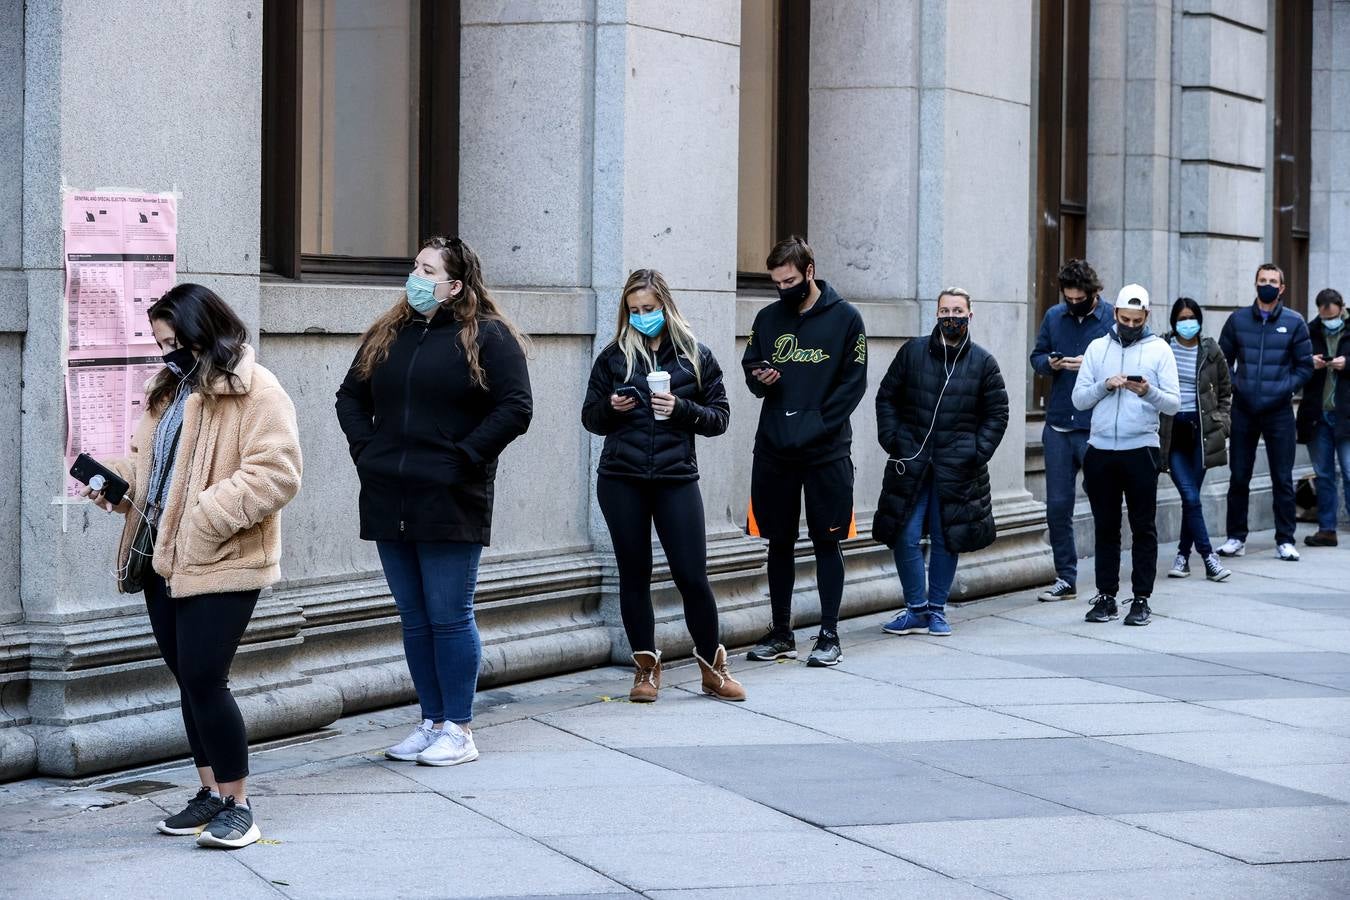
(942, 410)
(807, 358)
(1324, 413)
(1268, 349)
(1065, 333)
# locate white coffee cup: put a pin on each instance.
(658, 383)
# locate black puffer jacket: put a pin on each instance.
(636, 444)
(1310, 407)
(969, 426)
(426, 440)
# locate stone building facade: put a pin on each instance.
(919, 144)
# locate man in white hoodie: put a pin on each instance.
(1128, 378)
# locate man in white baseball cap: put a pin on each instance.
(1128, 377)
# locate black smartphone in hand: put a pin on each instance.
(86, 469)
(627, 390)
(1055, 354)
(1137, 379)
(758, 364)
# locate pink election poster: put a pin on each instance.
(120, 257)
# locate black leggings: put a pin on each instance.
(197, 637)
(783, 578)
(630, 508)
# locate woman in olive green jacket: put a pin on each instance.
(1196, 438)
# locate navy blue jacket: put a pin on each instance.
(1269, 358)
(1065, 334)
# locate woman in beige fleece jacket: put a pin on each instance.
(213, 460)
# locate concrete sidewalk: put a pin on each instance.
(1028, 755)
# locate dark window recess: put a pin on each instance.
(787, 205)
(323, 213)
(1293, 146)
(1061, 154)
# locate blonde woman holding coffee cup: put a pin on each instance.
(652, 390)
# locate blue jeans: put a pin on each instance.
(1277, 427)
(433, 583)
(909, 555)
(1325, 452)
(1186, 460)
(1064, 453)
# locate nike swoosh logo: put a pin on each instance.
(791, 413)
(836, 528)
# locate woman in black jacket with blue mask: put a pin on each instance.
(437, 391)
(652, 389)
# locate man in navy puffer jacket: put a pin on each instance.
(1269, 351)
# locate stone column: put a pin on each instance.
(1329, 243)
(187, 122)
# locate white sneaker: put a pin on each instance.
(423, 736)
(454, 746)
(1287, 552)
(1232, 547)
(1181, 568)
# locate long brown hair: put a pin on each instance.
(205, 324)
(475, 304)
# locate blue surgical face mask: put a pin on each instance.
(421, 293)
(1333, 325)
(1188, 328)
(649, 323)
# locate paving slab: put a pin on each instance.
(1289, 665)
(535, 770)
(1329, 875)
(1102, 719)
(1223, 687)
(940, 724)
(1091, 665)
(1028, 756)
(1031, 846)
(1329, 714)
(1261, 747)
(927, 889)
(1261, 835)
(1033, 691)
(678, 719)
(1331, 780)
(1210, 883)
(911, 662)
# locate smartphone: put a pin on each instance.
(86, 469)
(1055, 354)
(758, 364)
(627, 390)
(1137, 379)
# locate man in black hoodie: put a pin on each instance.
(807, 358)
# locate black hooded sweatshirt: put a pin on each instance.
(822, 354)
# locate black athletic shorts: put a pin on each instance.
(776, 489)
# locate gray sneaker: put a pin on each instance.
(232, 828)
(774, 645)
(200, 810)
(826, 651)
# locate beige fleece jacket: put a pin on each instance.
(238, 463)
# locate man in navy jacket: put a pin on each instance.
(1065, 333)
(1270, 353)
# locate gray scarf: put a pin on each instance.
(161, 460)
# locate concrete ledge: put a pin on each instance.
(302, 307)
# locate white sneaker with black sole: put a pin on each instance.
(200, 810)
(1060, 590)
(1232, 547)
(422, 737)
(453, 747)
(1287, 552)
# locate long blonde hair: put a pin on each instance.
(475, 304)
(633, 343)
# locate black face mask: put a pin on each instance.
(1079, 308)
(954, 328)
(1268, 293)
(1128, 334)
(796, 294)
(180, 362)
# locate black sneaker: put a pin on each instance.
(774, 645)
(1139, 612)
(826, 652)
(1104, 609)
(232, 828)
(1060, 590)
(200, 810)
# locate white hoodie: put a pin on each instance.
(1121, 419)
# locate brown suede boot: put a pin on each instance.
(646, 676)
(1321, 539)
(717, 679)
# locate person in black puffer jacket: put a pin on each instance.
(437, 391)
(942, 410)
(649, 472)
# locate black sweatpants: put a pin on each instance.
(630, 507)
(1109, 476)
(197, 638)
